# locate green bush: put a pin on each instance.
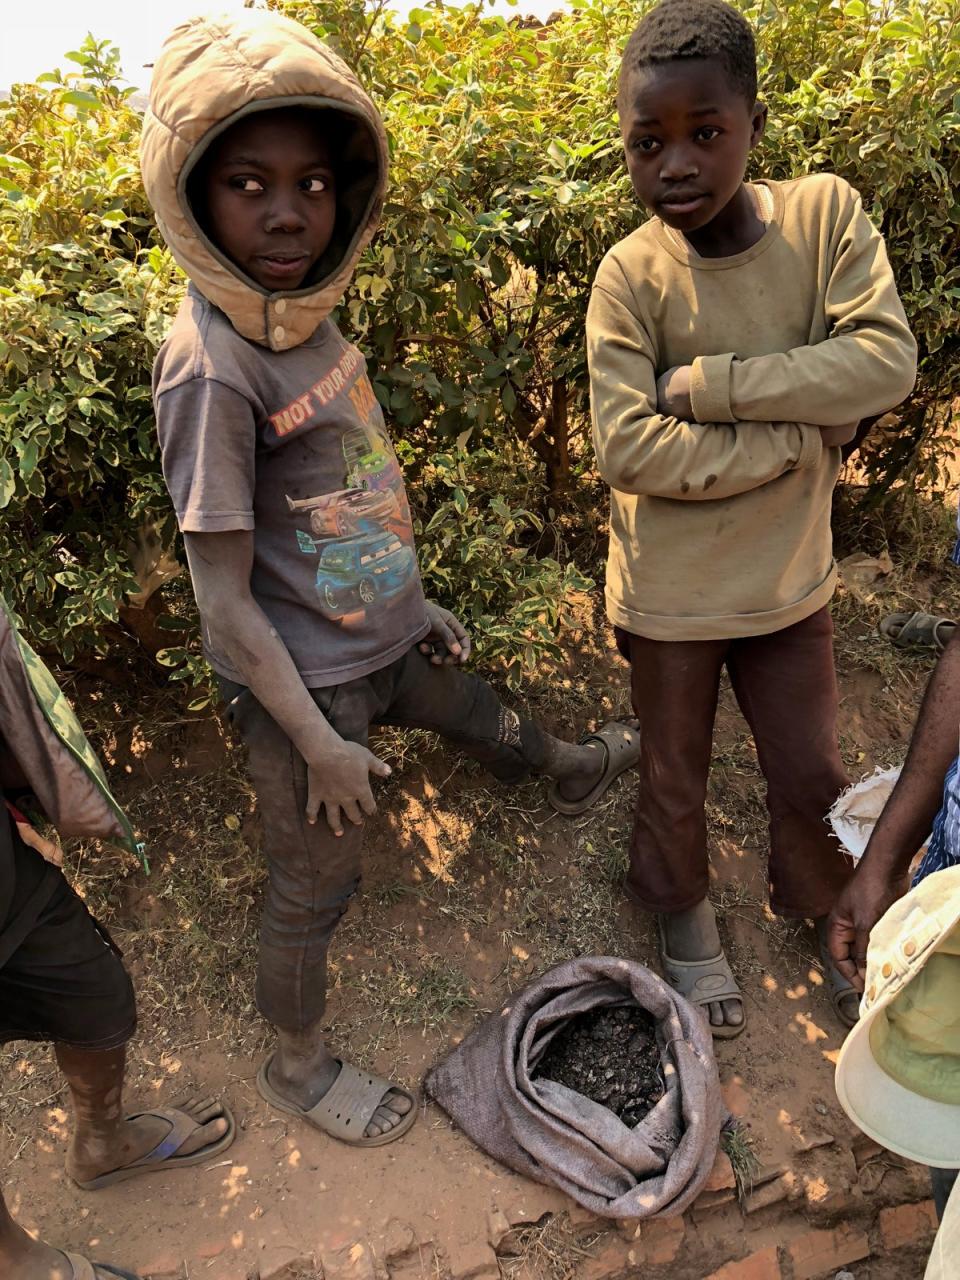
(507, 188)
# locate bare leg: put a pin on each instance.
(303, 1069)
(103, 1140)
(23, 1258)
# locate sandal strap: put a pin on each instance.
(181, 1127)
(702, 981)
(617, 738)
(349, 1104)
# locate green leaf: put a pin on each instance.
(899, 30)
(79, 98)
(8, 483)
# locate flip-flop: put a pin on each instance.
(346, 1108)
(839, 987)
(621, 742)
(918, 630)
(164, 1154)
(704, 982)
(83, 1269)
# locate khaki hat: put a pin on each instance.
(898, 1074)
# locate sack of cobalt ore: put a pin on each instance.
(598, 1079)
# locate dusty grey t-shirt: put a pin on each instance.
(292, 444)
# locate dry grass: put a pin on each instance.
(547, 1250)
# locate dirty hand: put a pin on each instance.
(447, 640)
(837, 437)
(339, 780)
(673, 393)
(865, 899)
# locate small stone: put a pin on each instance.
(399, 1239)
(498, 1227)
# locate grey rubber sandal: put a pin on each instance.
(840, 988)
(83, 1269)
(704, 982)
(918, 630)
(346, 1108)
(621, 742)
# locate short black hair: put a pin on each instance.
(678, 29)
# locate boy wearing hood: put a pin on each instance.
(266, 164)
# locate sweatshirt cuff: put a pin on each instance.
(710, 388)
(811, 447)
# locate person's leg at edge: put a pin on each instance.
(675, 686)
(312, 876)
(103, 1138)
(786, 685)
(23, 1258)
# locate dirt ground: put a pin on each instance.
(469, 891)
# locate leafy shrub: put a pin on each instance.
(507, 188)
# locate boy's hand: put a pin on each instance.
(340, 781)
(837, 437)
(447, 640)
(673, 393)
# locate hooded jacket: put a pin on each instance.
(266, 416)
(211, 73)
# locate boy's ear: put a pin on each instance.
(758, 122)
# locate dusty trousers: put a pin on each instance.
(312, 874)
(785, 684)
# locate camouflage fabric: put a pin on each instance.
(48, 741)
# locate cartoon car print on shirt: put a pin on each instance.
(358, 571)
(334, 515)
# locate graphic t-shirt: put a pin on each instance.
(293, 445)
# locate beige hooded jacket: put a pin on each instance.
(211, 73)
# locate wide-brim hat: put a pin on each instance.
(898, 1074)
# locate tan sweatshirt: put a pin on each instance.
(721, 527)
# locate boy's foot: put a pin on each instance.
(695, 965)
(845, 997)
(192, 1132)
(299, 1085)
(582, 771)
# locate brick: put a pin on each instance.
(821, 1252)
(608, 1261)
(767, 1195)
(722, 1177)
(764, 1265)
(662, 1239)
(907, 1224)
(472, 1260)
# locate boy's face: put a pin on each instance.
(687, 132)
(269, 197)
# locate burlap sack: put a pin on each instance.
(554, 1135)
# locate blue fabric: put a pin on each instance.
(944, 847)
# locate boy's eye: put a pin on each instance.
(246, 184)
(646, 145)
(707, 133)
(316, 185)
